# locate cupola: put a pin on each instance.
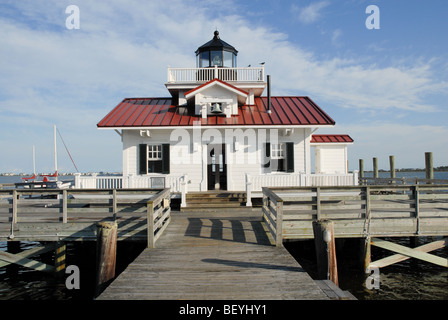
(216, 52)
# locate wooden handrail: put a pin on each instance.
(158, 216)
(358, 211)
(79, 206)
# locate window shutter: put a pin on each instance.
(267, 157)
(166, 158)
(143, 160)
(289, 157)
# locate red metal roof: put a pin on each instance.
(331, 138)
(159, 112)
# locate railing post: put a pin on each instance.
(150, 223)
(114, 204)
(64, 206)
(248, 191)
(77, 180)
(355, 178)
(183, 190)
(318, 205)
(279, 227)
(417, 207)
(14, 206)
(216, 72)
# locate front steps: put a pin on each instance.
(215, 200)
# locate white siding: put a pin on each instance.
(188, 155)
(331, 159)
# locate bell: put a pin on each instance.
(216, 108)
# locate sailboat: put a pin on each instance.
(32, 182)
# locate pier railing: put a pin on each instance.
(273, 214)
(358, 211)
(255, 183)
(159, 216)
(128, 182)
(409, 181)
(53, 215)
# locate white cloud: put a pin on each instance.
(310, 13)
(74, 77)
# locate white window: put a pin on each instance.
(154, 152)
(277, 151)
(154, 158)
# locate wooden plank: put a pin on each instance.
(333, 291)
(409, 252)
(31, 252)
(25, 262)
(398, 257)
(214, 256)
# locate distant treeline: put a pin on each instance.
(442, 168)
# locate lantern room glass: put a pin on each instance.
(213, 58)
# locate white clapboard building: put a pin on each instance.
(220, 129)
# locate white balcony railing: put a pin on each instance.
(120, 182)
(193, 75)
(255, 183)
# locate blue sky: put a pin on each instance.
(387, 88)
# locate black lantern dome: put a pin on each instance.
(216, 52)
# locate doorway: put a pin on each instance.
(216, 167)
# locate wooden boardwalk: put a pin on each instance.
(214, 256)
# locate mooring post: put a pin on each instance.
(429, 165)
(392, 166)
(106, 253)
(375, 168)
(325, 250)
(361, 169)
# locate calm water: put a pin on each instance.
(408, 280)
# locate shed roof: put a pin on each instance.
(331, 138)
(160, 112)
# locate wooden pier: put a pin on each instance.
(218, 255)
(222, 254)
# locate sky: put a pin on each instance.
(387, 88)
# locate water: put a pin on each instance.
(442, 175)
(408, 280)
(19, 283)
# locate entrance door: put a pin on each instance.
(216, 167)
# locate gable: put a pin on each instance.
(226, 87)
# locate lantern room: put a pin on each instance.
(216, 52)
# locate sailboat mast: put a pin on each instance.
(34, 160)
(55, 154)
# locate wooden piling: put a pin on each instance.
(375, 168)
(106, 253)
(392, 166)
(366, 258)
(429, 165)
(361, 168)
(325, 250)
